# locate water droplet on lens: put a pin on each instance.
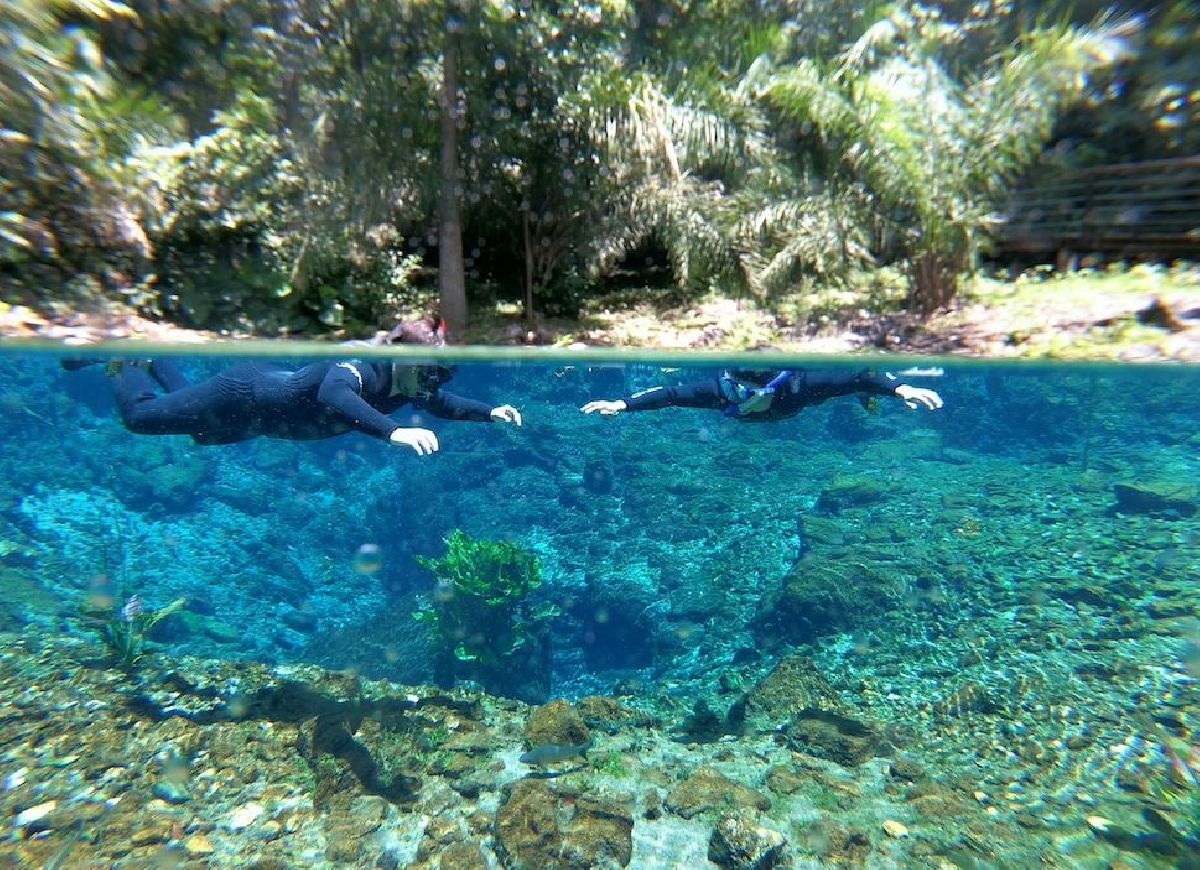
(368, 559)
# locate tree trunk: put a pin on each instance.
(934, 283)
(451, 275)
(528, 265)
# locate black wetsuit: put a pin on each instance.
(251, 400)
(802, 390)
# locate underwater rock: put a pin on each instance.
(794, 685)
(301, 619)
(464, 753)
(170, 478)
(36, 818)
(740, 842)
(821, 596)
(556, 724)
(220, 632)
(846, 491)
(172, 792)
(198, 846)
(835, 737)
(462, 856)
(785, 780)
(348, 827)
(1157, 497)
(1075, 591)
(906, 770)
(895, 829)
(818, 531)
(843, 846)
(210, 690)
(610, 715)
(709, 789)
(702, 725)
(652, 805)
(541, 828)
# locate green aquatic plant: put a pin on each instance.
(125, 630)
(612, 764)
(481, 617)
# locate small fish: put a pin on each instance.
(553, 753)
(918, 372)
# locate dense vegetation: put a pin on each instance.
(310, 165)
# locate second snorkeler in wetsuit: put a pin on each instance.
(757, 396)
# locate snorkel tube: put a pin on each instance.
(757, 401)
(778, 381)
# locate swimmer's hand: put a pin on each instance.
(421, 440)
(506, 414)
(605, 408)
(918, 397)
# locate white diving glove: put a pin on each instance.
(605, 408)
(421, 440)
(919, 397)
(506, 414)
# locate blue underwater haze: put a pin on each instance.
(1024, 557)
(648, 526)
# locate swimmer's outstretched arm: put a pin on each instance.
(695, 394)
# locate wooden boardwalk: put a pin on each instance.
(1147, 210)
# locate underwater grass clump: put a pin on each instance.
(481, 619)
(125, 630)
(612, 764)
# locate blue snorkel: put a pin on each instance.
(754, 403)
(778, 381)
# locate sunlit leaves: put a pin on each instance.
(937, 148)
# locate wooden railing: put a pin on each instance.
(1145, 209)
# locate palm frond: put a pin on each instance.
(1017, 103)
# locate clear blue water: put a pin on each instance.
(1018, 566)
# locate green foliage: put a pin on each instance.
(481, 610)
(125, 630)
(934, 152)
(1141, 107)
(245, 206)
(611, 764)
(278, 169)
(57, 139)
(402, 747)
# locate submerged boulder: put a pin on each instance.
(846, 491)
(741, 842)
(542, 828)
(836, 737)
(795, 685)
(822, 595)
(709, 789)
(1156, 497)
(556, 724)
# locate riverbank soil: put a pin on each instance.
(1143, 314)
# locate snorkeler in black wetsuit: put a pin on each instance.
(321, 400)
(756, 396)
